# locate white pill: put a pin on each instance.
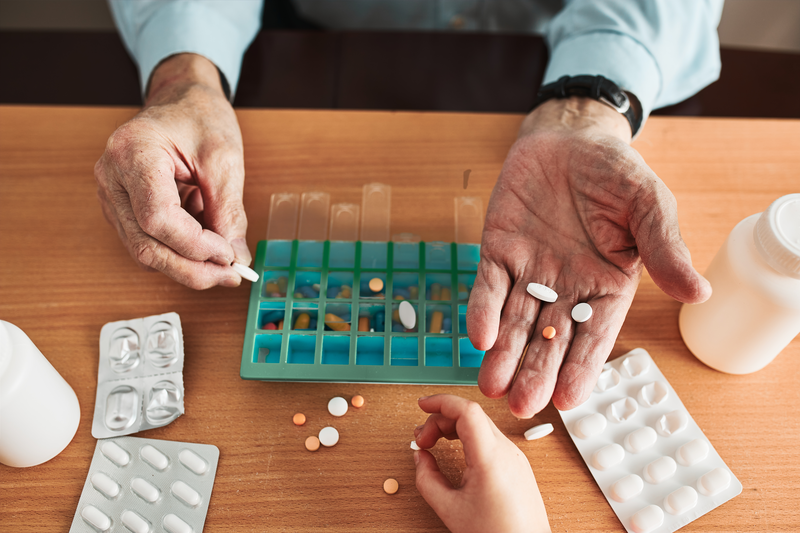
(96, 518)
(672, 423)
(337, 406)
(145, 490)
(154, 458)
(640, 440)
(636, 363)
(105, 485)
(193, 462)
(622, 410)
(415, 446)
(714, 482)
(582, 312)
(609, 378)
(692, 452)
(681, 500)
(328, 436)
(537, 432)
(246, 272)
(185, 493)
(541, 292)
(659, 470)
(653, 394)
(589, 426)
(608, 456)
(626, 488)
(408, 316)
(115, 454)
(647, 519)
(135, 522)
(173, 524)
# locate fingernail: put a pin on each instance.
(416, 458)
(230, 282)
(241, 252)
(423, 398)
(418, 429)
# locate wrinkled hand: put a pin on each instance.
(171, 179)
(576, 209)
(498, 491)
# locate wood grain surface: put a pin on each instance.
(64, 273)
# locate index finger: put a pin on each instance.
(474, 428)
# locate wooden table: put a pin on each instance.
(64, 273)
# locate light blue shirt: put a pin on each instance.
(663, 51)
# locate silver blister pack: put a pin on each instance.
(140, 375)
(146, 486)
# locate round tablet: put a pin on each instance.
(390, 486)
(337, 406)
(246, 272)
(357, 401)
(549, 332)
(312, 444)
(375, 284)
(299, 419)
(537, 432)
(541, 292)
(408, 316)
(582, 312)
(328, 436)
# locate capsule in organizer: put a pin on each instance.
(140, 375)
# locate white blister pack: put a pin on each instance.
(140, 485)
(140, 375)
(652, 461)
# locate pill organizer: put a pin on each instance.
(139, 485)
(652, 461)
(313, 315)
(140, 375)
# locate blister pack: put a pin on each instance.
(140, 376)
(146, 486)
(652, 461)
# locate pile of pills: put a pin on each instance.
(580, 313)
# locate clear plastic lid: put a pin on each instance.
(376, 210)
(344, 222)
(314, 208)
(283, 209)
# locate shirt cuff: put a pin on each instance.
(616, 56)
(191, 28)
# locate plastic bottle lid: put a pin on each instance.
(777, 235)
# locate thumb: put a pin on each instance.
(432, 484)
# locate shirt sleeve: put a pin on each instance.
(663, 51)
(220, 30)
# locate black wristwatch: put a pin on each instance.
(597, 88)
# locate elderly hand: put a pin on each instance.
(576, 209)
(171, 179)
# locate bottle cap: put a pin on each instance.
(777, 235)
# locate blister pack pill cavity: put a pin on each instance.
(652, 461)
(140, 375)
(146, 486)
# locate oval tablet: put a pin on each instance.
(636, 364)
(408, 316)
(653, 394)
(115, 454)
(609, 378)
(608, 456)
(185, 493)
(589, 426)
(105, 485)
(640, 440)
(714, 482)
(193, 462)
(328, 436)
(145, 490)
(541, 292)
(245, 271)
(622, 410)
(659, 470)
(96, 518)
(692, 452)
(647, 519)
(581, 312)
(415, 446)
(135, 522)
(626, 488)
(681, 500)
(537, 432)
(154, 458)
(672, 423)
(337, 406)
(173, 524)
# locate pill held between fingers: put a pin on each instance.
(357, 401)
(312, 444)
(415, 446)
(542, 292)
(337, 406)
(375, 284)
(537, 432)
(246, 272)
(582, 312)
(549, 332)
(328, 436)
(390, 486)
(299, 419)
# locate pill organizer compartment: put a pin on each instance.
(438, 287)
(340, 285)
(438, 319)
(465, 284)
(337, 316)
(398, 326)
(275, 283)
(307, 285)
(405, 351)
(366, 292)
(305, 316)
(405, 286)
(336, 349)
(271, 315)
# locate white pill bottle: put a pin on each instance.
(754, 311)
(39, 412)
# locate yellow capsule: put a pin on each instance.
(398, 297)
(302, 322)
(272, 287)
(396, 315)
(346, 291)
(363, 323)
(445, 293)
(436, 322)
(336, 323)
(436, 291)
(280, 324)
(298, 295)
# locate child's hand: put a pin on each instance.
(498, 492)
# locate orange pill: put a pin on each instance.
(375, 284)
(357, 401)
(312, 444)
(299, 419)
(390, 486)
(549, 332)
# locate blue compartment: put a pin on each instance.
(373, 254)
(279, 253)
(342, 255)
(438, 351)
(406, 255)
(341, 310)
(369, 351)
(309, 253)
(437, 255)
(438, 287)
(367, 293)
(405, 285)
(307, 285)
(462, 319)
(405, 351)
(270, 313)
(298, 308)
(275, 283)
(301, 349)
(446, 311)
(468, 256)
(468, 355)
(340, 285)
(267, 348)
(336, 350)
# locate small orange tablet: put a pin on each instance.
(390, 486)
(312, 444)
(299, 419)
(357, 401)
(375, 284)
(549, 332)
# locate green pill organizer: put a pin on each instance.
(326, 311)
